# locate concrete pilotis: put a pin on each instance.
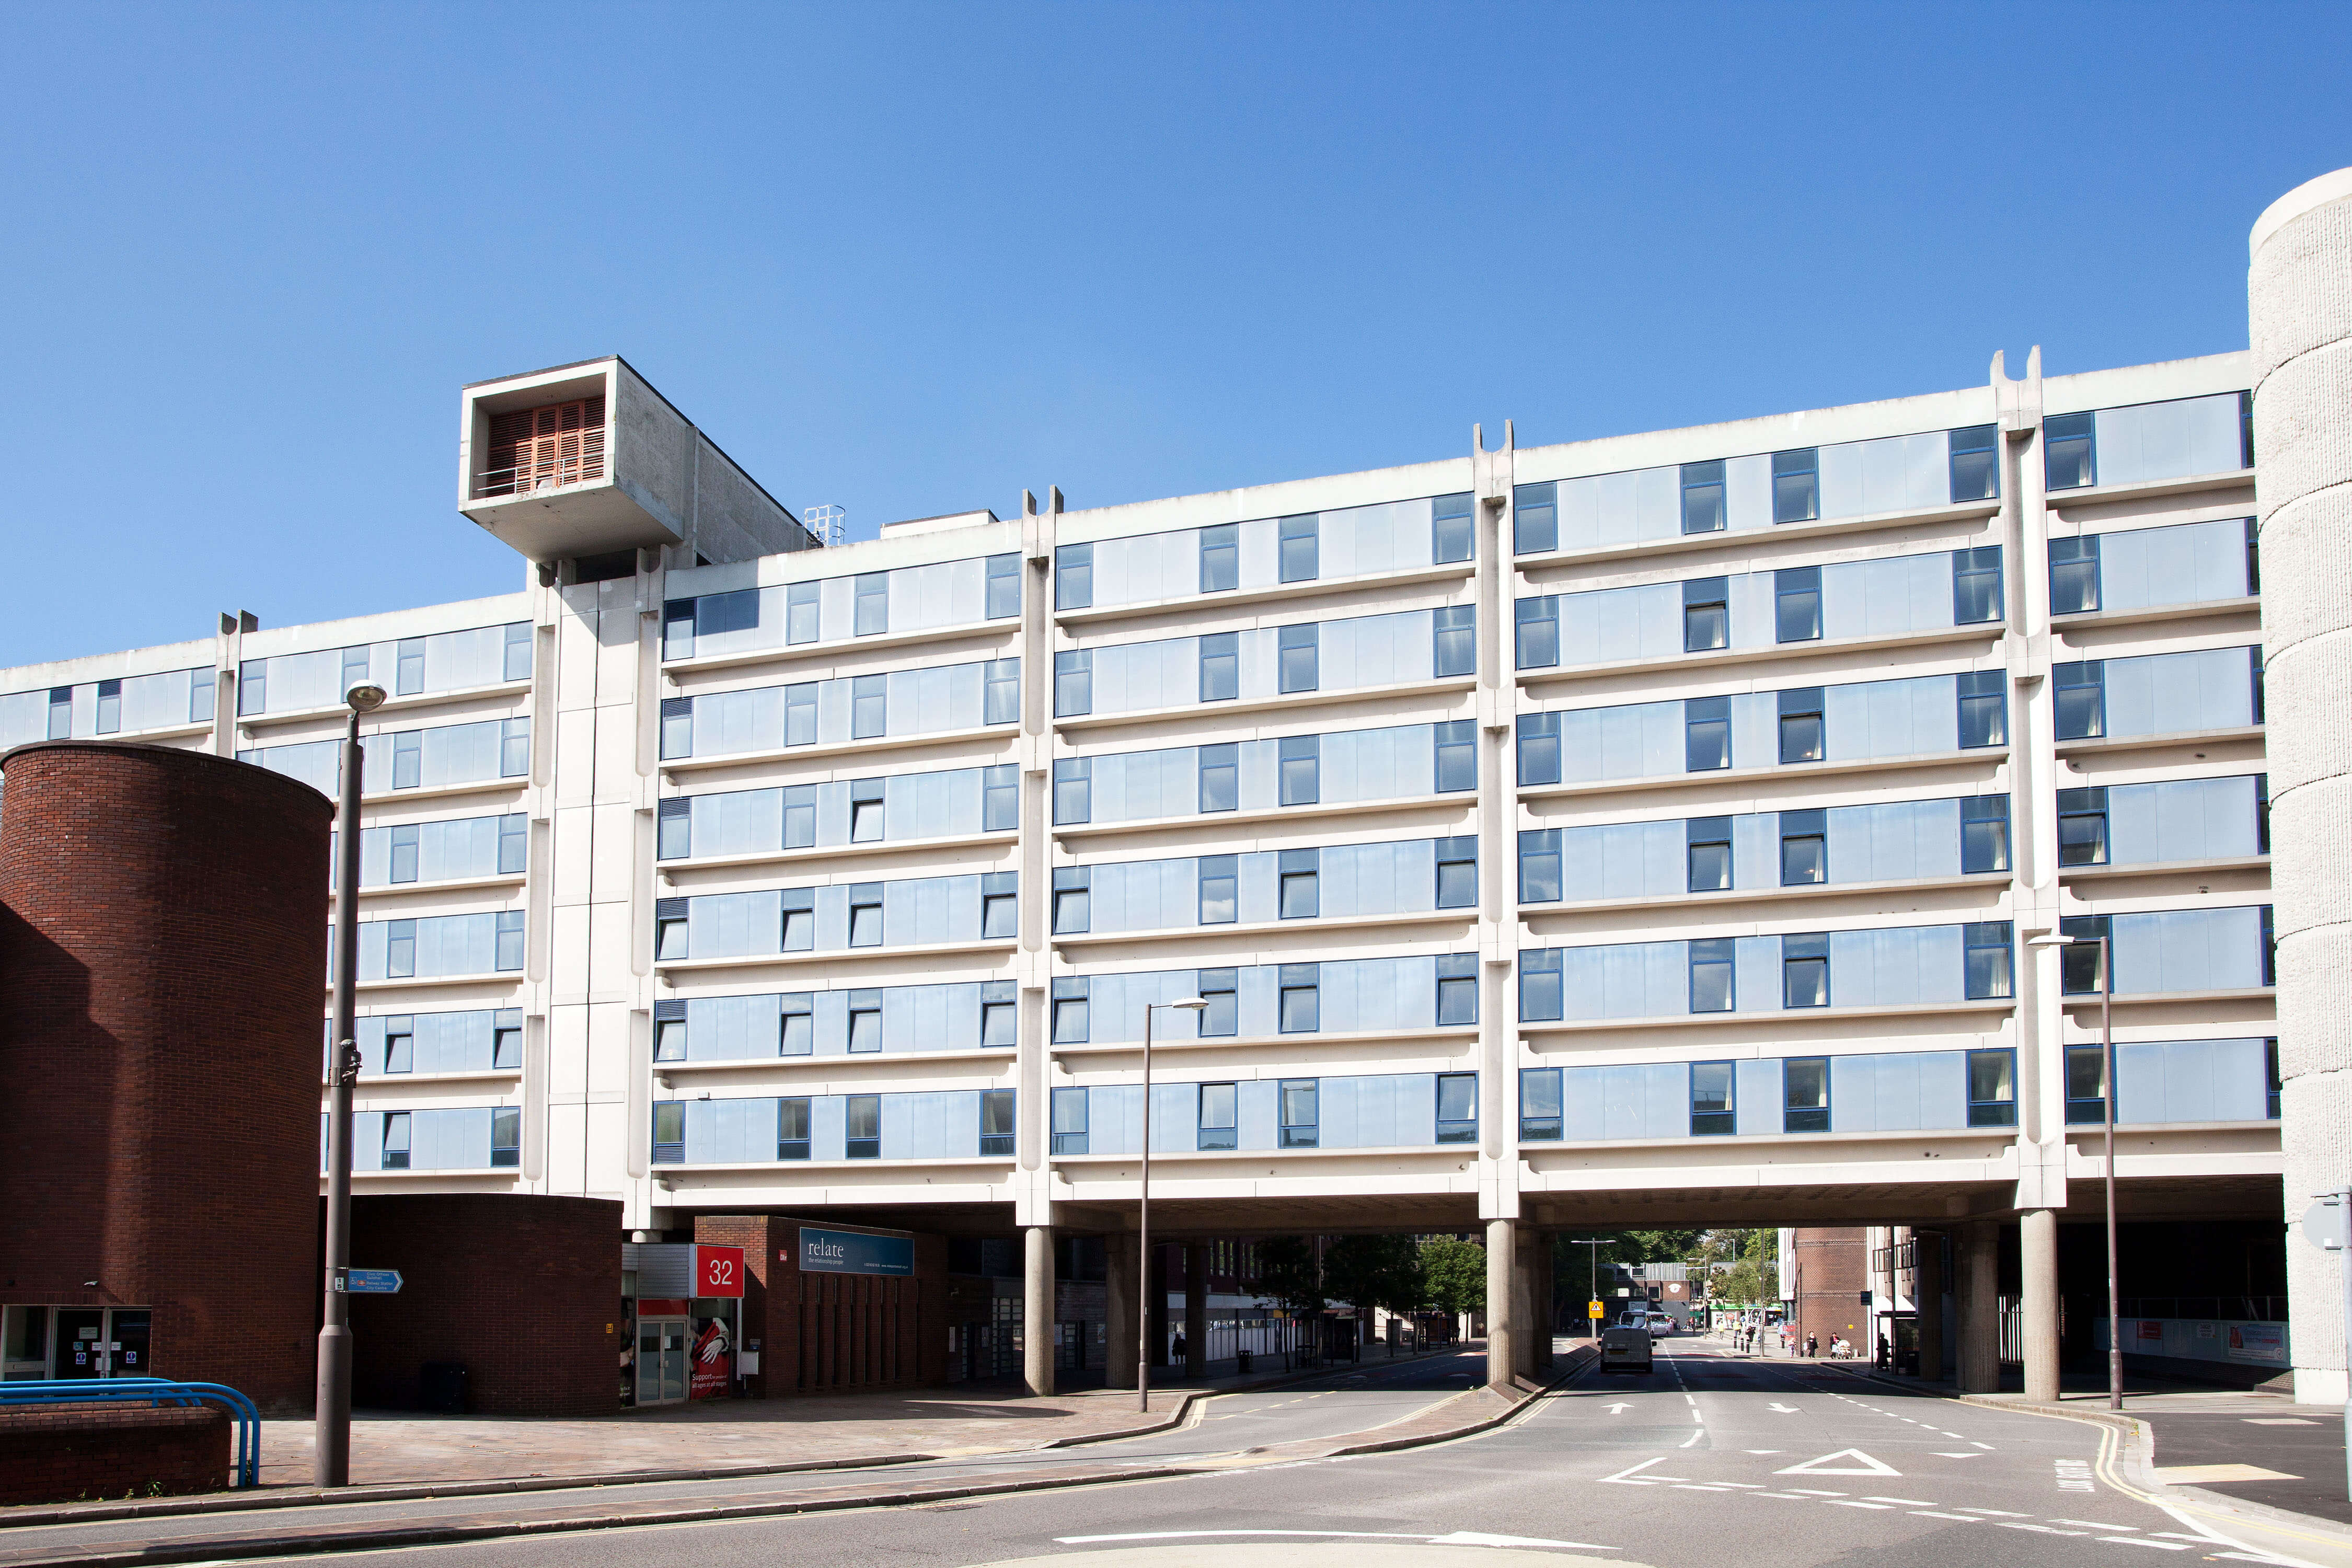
(1978, 1300)
(1196, 1308)
(1037, 1308)
(1928, 1295)
(2038, 1244)
(1502, 1300)
(1119, 1308)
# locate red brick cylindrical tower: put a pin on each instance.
(163, 959)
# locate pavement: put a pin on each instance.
(1710, 1456)
(1352, 1408)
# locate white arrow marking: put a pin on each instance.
(1629, 1475)
(1619, 1409)
(1462, 1538)
(1783, 1409)
(1862, 1465)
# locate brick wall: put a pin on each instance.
(826, 1333)
(162, 968)
(523, 1291)
(1831, 1270)
(67, 1453)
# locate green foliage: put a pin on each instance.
(1375, 1271)
(1454, 1275)
(1289, 1276)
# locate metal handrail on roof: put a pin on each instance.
(247, 1470)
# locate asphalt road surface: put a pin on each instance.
(1708, 1458)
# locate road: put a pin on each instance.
(1709, 1458)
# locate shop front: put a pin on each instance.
(683, 1306)
(42, 1342)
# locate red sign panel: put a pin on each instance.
(717, 1270)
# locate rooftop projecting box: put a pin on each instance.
(588, 458)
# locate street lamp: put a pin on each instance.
(1594, 1256)
(2107, 1108)
(331, 1456)
(1143, 1215)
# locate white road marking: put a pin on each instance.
(2091, 1523)
(1693, 1439)
(2144, 1541)
(1906, 1501)
(1459, 1538)
(1963, 1454)
(1619, 1408)
(1863, 1465)
(1783, 1409)
(1696, 1416)
(1815, 1491)
(1631, 1471)
(1840, 1502)
(2038, 1529)
(1974, 1443)
(1760, 1450)
(1957, 1518)
(1995, 1513)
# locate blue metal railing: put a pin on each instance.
(152, 1391)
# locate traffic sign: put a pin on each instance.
(2323, 1224)
(372, 1281)
(1593, 1309)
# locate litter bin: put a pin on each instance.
(1244, 1358)
(441, 1388)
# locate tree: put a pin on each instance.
(1454, 1274)
(1289, 1276)
(1381, 1272)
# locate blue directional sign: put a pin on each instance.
(372, 1281)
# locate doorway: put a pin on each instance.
(661, 1360)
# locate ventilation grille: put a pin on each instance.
(562, 444)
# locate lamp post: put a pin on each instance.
(2103, 943)
(331, 1448)
(1596, 1243)
(1143, 1215)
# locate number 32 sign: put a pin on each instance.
(717, 1270)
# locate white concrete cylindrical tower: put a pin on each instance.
(2299, 301)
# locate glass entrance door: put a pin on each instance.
(661, 1360)
(673, 1360)
(126, 1342)
(80, 1343)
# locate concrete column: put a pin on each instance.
(1037, 1308)
(2299, 300)
(1927, 1294)
(1502, 1245)
(1545, 1296)
(1120, 1287)
(1523, 1305)
(2038, 1243)
(1196, 1308)
(1980, 1304)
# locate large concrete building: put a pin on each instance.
(1647, 830)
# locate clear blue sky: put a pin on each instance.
(912, 258)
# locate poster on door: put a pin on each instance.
(713, 1361)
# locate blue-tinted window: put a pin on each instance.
(1989, 961)
(1805, 1094)
(1457, 754)
(1796, 604)
(1975, 585)
(1706, 734)
(1703, 510)
(1713, 986)
(1451, 538)
(2069, 459)
(1003, 587)
(1221, 557)
(1805, 971)
(2074, 574)
(1538, 749)
(1539, 1109)
(1713, 1110)
(1992, 1089)
(1299, 671)
(1975, 468)
(1074, 683)
(1454, 628)
(1796, 485)
(1074, 577)
(1984, 712)
(1535, 518)
(1538, 632)
(1300, 553)
(1457, 1108)
(1984, 833)
(2081, 689)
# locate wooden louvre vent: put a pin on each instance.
(561, 444)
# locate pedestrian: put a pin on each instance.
(1176, 1353)
(1812, 1344)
